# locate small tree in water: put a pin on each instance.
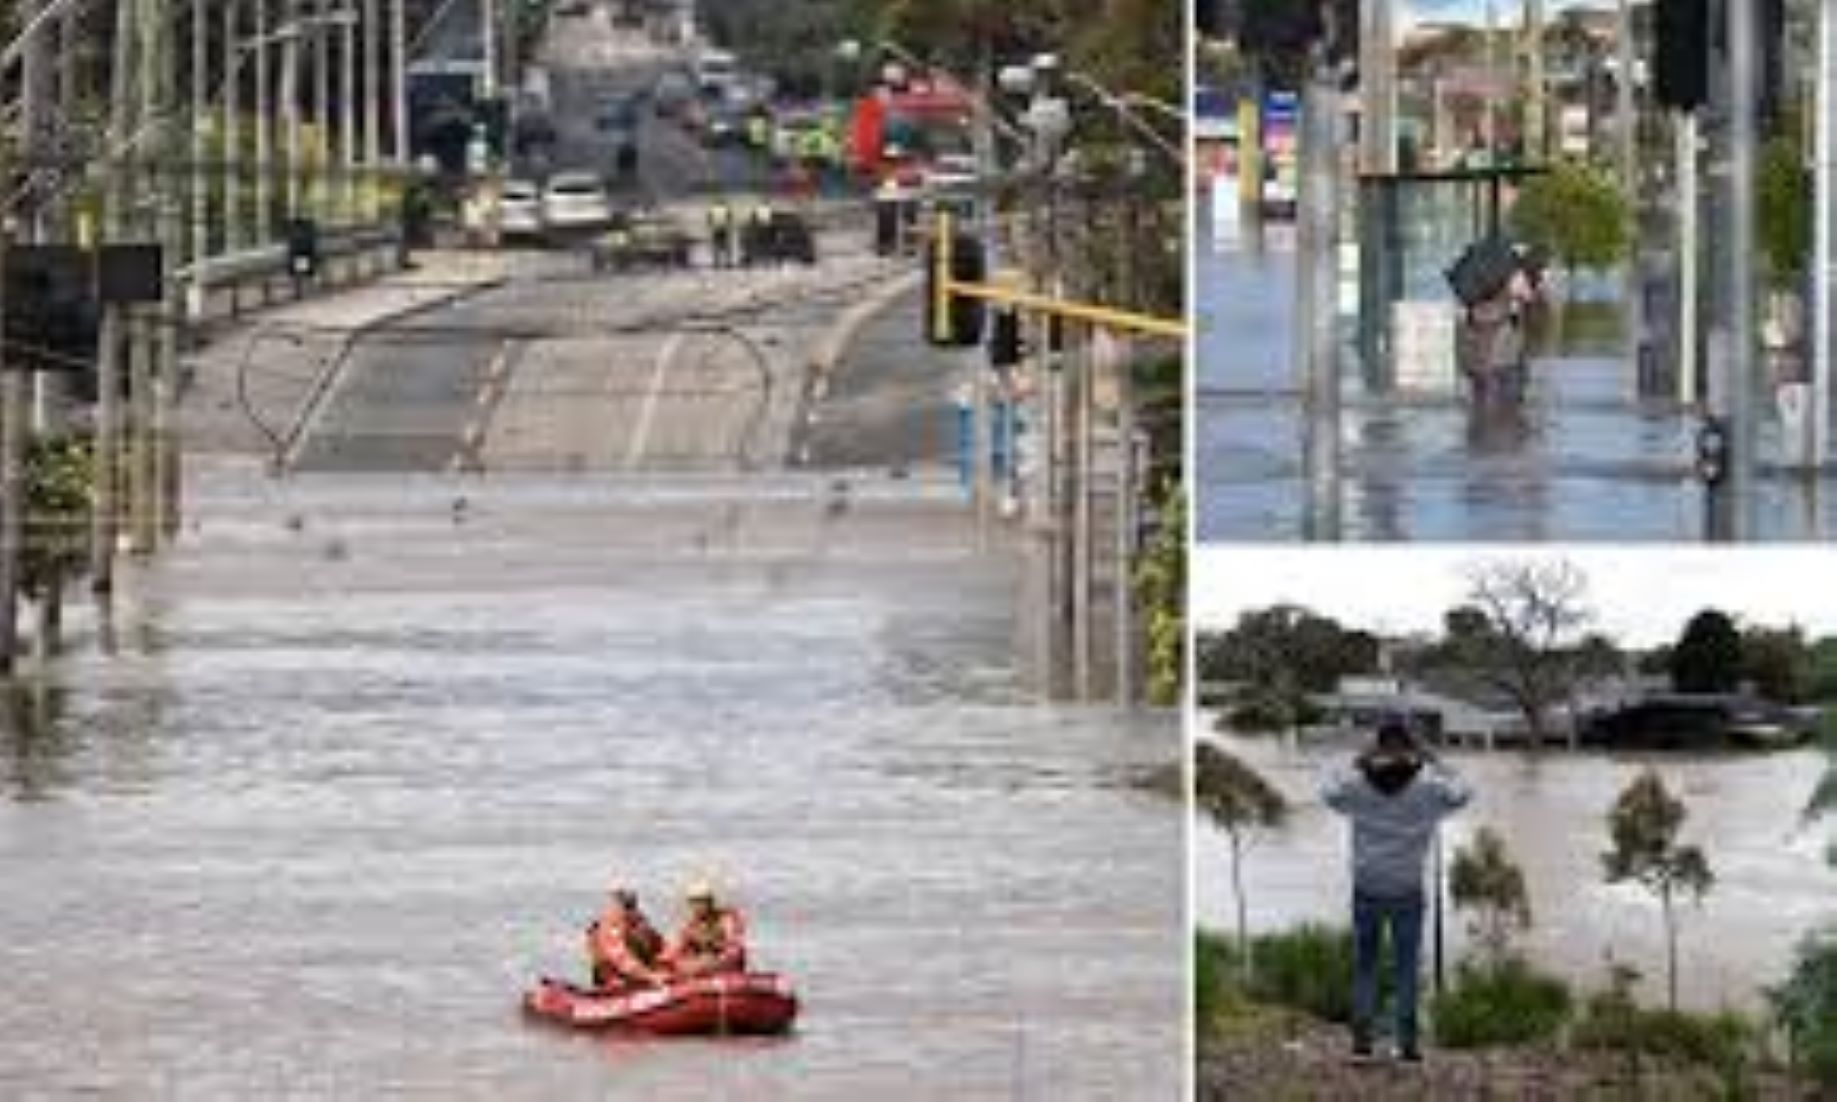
(1644, 825)
(1485, 880)
(1239, 802)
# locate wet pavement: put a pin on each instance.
(1586, 460)
(1772, 884)
(368, 748)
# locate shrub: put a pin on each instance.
(1507, 1003)
(1212, 972)
(1612, 1021)
(1308, 968)
(1806, 1005)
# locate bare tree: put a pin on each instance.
(1534, 612)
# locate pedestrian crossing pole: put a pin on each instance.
(1824, 271)
(1732, 503)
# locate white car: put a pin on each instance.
(520, 211)
(575, 201)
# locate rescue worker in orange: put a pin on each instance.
(623, 947)
(712, 939)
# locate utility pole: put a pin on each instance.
(347, 115)
(398, 32)
(982, 419)
(1732, 504)
(155, 350)
(1824, 271)
(1689, 220)
(373, 104)
(232, 125)
(1626, 108)
(12, 386)
(1378, 88)
(264, 129)
(319, 191)
(117, 189)
(488, 20)
(1318, 272)
(200, 187)
(290, 105)
(1537, 122)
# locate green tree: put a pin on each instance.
(1707, 658)
(1578, 212)
(1160, 583)
(1643, 826)
(1241, 803)
(1485, 880)
(1785, 215)
(1277, 658)
(1777, 662)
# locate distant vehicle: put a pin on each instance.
(520, 211)
(575, 201)
(643, 239)
(618, 113)
(673, 92)
(952, 174)
(574, 9)
(715, 71)
(724, 124)
(786, 238)
(1688, 721)
(902, 134)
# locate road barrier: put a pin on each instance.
(220, 288)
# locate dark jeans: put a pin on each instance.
(1370, 918)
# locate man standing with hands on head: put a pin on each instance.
(1396, 793)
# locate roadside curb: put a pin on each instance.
(827, 357)
(333, 376)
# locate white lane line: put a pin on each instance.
(472, 441)
(647, 413)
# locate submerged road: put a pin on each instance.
(367, 753)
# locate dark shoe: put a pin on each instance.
(1410, 1054)
(1361, 1048)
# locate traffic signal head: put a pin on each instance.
(1713, 451)
(952, 320)
(1005, 346)
(1681, 31)
(303, 248)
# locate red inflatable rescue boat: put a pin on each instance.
(741, 1004)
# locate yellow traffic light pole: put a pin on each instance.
(947, 289)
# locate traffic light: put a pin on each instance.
(1005, 346)
(1681, 38)
(963, 325)
(1713, 451)
(303, 248)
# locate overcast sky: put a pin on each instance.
(1641, 595)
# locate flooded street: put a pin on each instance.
(1586, 460)
(370, 748)
(1772, 885)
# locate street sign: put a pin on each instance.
(54, 295)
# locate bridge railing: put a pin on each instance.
(223, 287)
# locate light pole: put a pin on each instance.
(1824, 272)
(264, 132)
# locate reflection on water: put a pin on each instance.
(319, 821)
(1772, 885)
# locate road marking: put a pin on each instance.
(470, 454)
(641, 434)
